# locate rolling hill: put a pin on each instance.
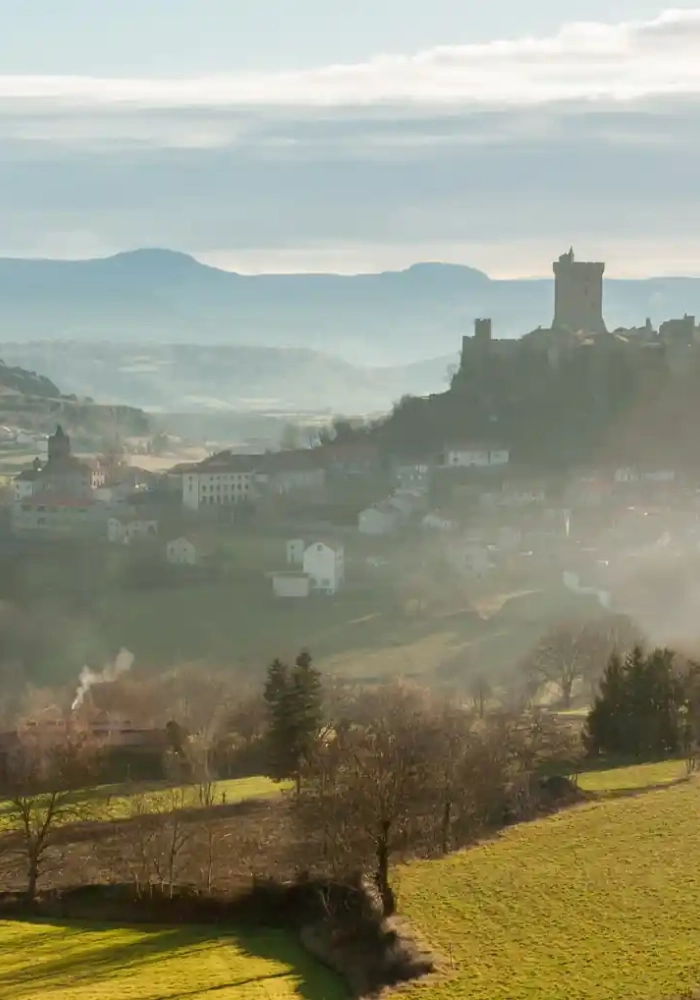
(163, 297)
(215, 378)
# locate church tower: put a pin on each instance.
(578, 295)
(59, 445)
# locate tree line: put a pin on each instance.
(375, 774)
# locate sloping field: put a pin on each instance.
(600, 902)
(46, 961)
(633, 778)
(112, 802)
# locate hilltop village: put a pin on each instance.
(544, 468)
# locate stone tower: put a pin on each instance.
(578, 295)
(59, 445)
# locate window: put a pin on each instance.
(41, 508)
(319, 548)
(41, 521)
(325, 584)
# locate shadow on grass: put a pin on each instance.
(74, 959)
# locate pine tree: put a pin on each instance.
(639, 708)
(294, 699)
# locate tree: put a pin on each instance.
(640, 709)
(45, 772)
(480, 692)
(295, 714)
(369, 787)
(568, 652)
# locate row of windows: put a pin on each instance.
(227, 476)
(235, 487)
(217, 498)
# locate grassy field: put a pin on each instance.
(112, 802)
(599, 901)
(47, 961)
(633, 778)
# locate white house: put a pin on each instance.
(412, 475)
(381, 519)
(291, 584)
(187, 551)
(462, 456)
(407, 501)
(295, 551)
(324, 564)
(125, 530)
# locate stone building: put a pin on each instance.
(578, 295)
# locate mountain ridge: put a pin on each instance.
(161, 296)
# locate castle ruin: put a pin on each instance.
(578, 295)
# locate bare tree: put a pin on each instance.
(372, 788)
(46, 772)
(158, 836)
(480, 692)
(563, 656)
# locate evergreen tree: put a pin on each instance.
(294, 699)
(639, 709)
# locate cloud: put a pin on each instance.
(591, 136)
(583, 62)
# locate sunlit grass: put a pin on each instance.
(637, 776)
(48, 961)
(120, 802)
(599, 901)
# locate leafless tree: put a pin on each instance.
(565, 654)
(372, 786)
(480, 692)
(46, 772)
(158, 836)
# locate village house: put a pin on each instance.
(125, 529)
(290, 583)
(349, 458)
(300, 470)
(189, 550)
(412, 475)
(380, 519)
(472, 455)
(58, 516)
(324, 564)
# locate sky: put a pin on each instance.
(353, 135)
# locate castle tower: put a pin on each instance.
(578, 295)
(482, 332)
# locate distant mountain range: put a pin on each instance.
(162, 297)
(199, 378)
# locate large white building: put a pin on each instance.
(324, 564)
(221, 480)
(228, 478)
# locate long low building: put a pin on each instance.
(226, 478)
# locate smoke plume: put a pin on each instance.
(111, 672)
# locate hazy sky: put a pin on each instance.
(353, 134)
